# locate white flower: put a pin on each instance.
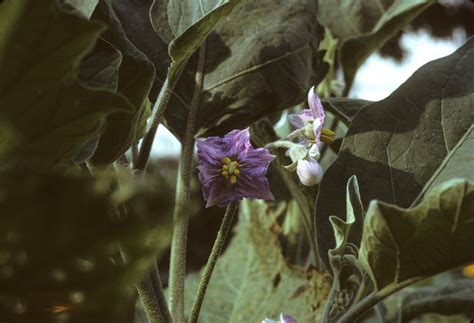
(309, 171)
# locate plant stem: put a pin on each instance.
(183, 191)
(158, 111)
(359, 310)
(211, 262)
(329, 302)
(151, 303)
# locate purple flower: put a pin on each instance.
(312, 117)
(284, 318)
(231, 169)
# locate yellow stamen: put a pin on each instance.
(327, 135)
(230, 169)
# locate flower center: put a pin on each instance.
(230, 169)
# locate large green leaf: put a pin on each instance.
(100, 68)
(399, 244)
(136, 74)
(344, 108)
(261, 59)
(395, 145)
(458, 164)
(59, 246)
(252, 281)
(364, 26)
(46, 115)
(191, 22)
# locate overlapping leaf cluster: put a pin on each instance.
(78, 82)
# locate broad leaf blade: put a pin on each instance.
(395, 145)
(253, 276)
(136, 73)
(188, 41)
(46, 115)
(255, 43)
(458, 164)
(344, 108)
(399, 244)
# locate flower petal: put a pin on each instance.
(256, 161)
(253, 187)
(238, 142)
(220, 192)
(211, 150)
(315, 105)
(285, 318)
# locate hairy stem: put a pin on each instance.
(158, 111)
(211, 262)
(153, 298)
(183, 190)
(356, 312)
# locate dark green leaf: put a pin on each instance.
(395, 145)
(136, 75)
(344, 108)
(261, 59)
(46, 115)
(189, 22)
(59, 246)
(364, 26)
(399, 244)
(458, 164)
(101, 67)
(254, 277)
(455, 298)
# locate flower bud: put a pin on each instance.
(309, 172)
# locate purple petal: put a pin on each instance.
(315, 105)
(301, 119)
(220, 192)
(284, 318)
(256, 161)
(238, 142)
(296, 121)
(211, 150)
(253, 187)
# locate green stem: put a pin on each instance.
(183, 191)
(356, 312)
(329, 302)
(158, 111)
(153, 297)
(211, 262)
